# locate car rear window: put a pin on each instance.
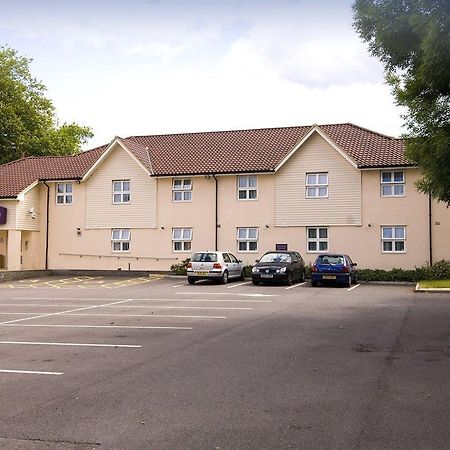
(330, 259)
(276, 257)
(204, 257)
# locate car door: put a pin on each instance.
(236, 265)
(228, 264)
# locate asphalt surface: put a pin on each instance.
(166, 365)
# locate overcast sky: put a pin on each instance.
(137, 67)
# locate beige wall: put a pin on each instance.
(28, 210)
(343, 205)
(440, 221)
(100, 210)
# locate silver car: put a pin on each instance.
(212, 265)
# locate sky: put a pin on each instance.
(140, 67)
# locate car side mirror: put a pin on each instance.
(239, 261)
(256, 260)
(354, 264)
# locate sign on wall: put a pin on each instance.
(281, 247)
(3, 215)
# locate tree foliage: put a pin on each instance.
(412, 39)
(28, 125)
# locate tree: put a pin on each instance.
(412, 39)
(28, 125)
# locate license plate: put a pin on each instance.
(202, 274)
(266, 275)
(329, 277)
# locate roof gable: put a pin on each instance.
(218, 152)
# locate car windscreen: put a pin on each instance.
(275, 257)
(330, 259)
(204, 257)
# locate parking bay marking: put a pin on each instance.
(353, 287)
(70, 344)
(93, 326)
(222, 293)
(216, 308)
(296, 285)
(30, 372)
(240, 284)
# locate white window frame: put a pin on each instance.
(317, 240)
(393, 239)
(315, 187)
(122, 192)
(392, 185)
(66, 194)
(122, 237)
(181, 237)
(247, 239)
(246, 186)
(182, 187)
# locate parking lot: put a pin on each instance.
(155, 363)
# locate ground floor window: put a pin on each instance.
(393, 239)
(247, 239)
(182, 239)
(317, 239)
(120, 240)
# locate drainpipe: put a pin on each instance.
(47, 226)
(430, 231)
(216, 220)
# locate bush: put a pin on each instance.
(180, 268)
(248, 270)
(438, 271)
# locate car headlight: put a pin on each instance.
(255, 270)
(283, 270)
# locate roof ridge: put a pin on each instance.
(220, 131)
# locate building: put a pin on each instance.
(147, 202)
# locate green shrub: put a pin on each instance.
(180, 268)
(440, 270)
(248, 270)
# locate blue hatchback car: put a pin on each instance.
(334, 267)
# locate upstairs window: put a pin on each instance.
(182, 239)
(247, 239)
(121, 191)
(64, 194)
(120, 240)
(393, 239)
(317, 185)
(182, 190)
(247, 188)
(393, 184)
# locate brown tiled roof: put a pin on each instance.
(18, 175)
(219, 152)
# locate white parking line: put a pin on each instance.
(156, 316)
(239, 284)
(179, 285)
(64, 312)
(222, 293)
(296, 285)
(92, 326)
(353, 287)
(70, 344)
(130, 307)
(31, 372)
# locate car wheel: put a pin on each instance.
(314, 283)
(224, 279)
(349, 282)
(191, 280)
(242, 277)
(255, 282)
(355, 279)
(289, 279)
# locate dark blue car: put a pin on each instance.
(334, 268)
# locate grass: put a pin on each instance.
(434, 284)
